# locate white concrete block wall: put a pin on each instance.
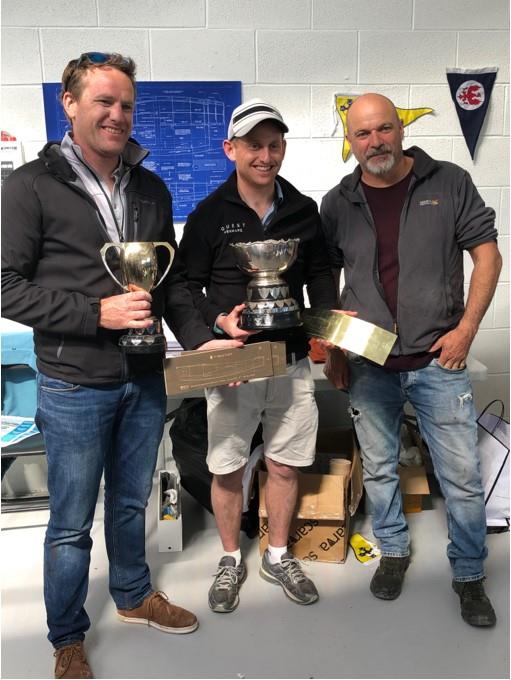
(506, 112)
(155, 13)
(460, 14)
(202, 54)
(286, 14)
(306, 56)
(362, 14)
(25, 42)
(297, 54)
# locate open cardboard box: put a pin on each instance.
(413, 480)
(326, 503)
(414, 486)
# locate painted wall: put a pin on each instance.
(296, 53)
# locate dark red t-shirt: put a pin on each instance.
(386, 205)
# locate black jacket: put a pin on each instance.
(443, 215)
(53, 277)
(223, 218)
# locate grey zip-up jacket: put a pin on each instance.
(443, 215)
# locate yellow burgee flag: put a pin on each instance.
(344, 101)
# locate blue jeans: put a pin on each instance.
(115, 429)
(443, 404)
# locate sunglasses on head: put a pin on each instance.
(93, 58)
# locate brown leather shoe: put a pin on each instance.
(71, 662)
(158, 612)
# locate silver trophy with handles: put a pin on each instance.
(269, 305)
(138, 265)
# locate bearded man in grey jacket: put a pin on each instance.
(398, 226)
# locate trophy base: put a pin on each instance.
(269, 321)
(143, 343)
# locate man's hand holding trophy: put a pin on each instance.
(138, 266)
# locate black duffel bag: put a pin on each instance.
(189, 435)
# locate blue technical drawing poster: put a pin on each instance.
(183, 124)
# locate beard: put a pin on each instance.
(381, 167)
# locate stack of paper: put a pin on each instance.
(17, 428)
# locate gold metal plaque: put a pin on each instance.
(348, 332)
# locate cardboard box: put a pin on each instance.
(320, 530)
(196, 370)
(414, 486)
(413, 480)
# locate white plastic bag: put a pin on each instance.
(493, 447)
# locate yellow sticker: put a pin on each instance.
(365, 551)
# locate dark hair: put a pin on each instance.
(72, 78)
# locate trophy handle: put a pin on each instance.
(171, 253)
(103, 251)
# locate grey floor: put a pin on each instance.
(347, 634)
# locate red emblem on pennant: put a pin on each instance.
(470, 95)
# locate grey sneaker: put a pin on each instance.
(290, 576)
(224, 593)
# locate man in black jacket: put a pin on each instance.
(256, 204)
(398, 225)
(100, 410)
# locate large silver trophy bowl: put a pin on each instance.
(138, 265)
(268, 305)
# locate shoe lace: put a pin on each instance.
(225, 577)
(65, 654)
(293, 569)
(157, 600)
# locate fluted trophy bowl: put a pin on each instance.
(269, 305)
(260, 257)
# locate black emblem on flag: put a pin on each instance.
(470, 92)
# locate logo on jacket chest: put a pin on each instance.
(233, 228)
(429, 201)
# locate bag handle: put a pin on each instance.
(499, 418)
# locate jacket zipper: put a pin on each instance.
(375, 260)
(135, 220)
(404, 210)
(102, 222)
